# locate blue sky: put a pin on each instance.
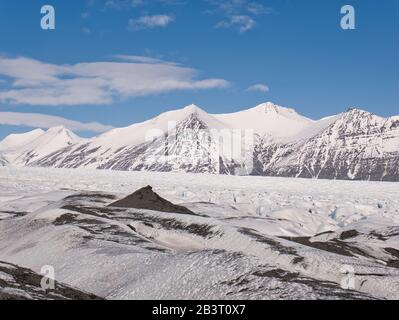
(104, 60)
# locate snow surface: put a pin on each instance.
(14, 141)
(268, 119)
(233, 248)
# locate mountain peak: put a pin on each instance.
(354, 109)
(268, 106)
(271, 108)
(57, 129)
(267, 119)
(193, 108)
(180, 114)
(357, 112)
(63, 134)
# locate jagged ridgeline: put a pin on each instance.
(266, 140)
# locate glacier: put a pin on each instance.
(249, 237)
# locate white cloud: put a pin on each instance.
(231, 12)
(150, 22)
(33, 82)
(242, 23)
(37, 120)
(259, 87)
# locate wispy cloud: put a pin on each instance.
(86, 30)
(118, 4)
(239, 14)
(242, 15)
(142, 59)
(150, 22)
(121, 4)
(37, 120)
(259, 87)
(242, 23)
(34, 82)
(233, 7)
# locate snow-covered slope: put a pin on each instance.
(142, 132)
(15, 141)
(23, 149)
(265, 140)
(244, 237)
(268, 119)
(171, 139)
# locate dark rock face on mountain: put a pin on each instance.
(188, 148)
(147, 199)
(3, 161)
(17, 283)
(358, 146)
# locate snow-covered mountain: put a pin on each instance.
(265, 140)
(268, 120)
(26, 148)
(188, 140)
(15, 141)
(357, 145)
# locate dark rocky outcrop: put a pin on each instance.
(146, 198)
(19, 283)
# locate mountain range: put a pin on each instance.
(267, 140)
